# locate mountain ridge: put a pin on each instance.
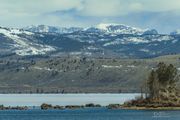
(103, 40)
(112, 28)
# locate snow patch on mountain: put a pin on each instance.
(135, 40)
(13, 31)
(144, 50)
(51, 29)
(162, 38)
(104, 26)
(110, 66)
(22, 46)
(127, 40)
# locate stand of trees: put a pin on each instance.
(162, 83)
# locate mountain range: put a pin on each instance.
(103, 40)
(48, 59)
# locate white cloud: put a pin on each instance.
(38, 6)
(27, 12)
(121, 7)
(87, 7)
(161, 5)
(102, 8)
(110, 7)
(136, 7)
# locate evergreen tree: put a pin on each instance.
(153, 85)
(162, 80)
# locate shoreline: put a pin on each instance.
(150, 108)
(121, 106)
(90, 105)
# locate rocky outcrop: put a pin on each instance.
(2, 107)
(45, 106)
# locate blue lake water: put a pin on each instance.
(90, 114)
(78, 114)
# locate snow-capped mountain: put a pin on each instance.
(124, 29)
(12, 40)
(51, 29)
(104, 28)
(101, 40)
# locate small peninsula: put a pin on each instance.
(161, 92)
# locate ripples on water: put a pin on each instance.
(90, 114)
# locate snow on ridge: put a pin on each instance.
(14, 31)
(45, 68)
(136, 40)
(118, 66)
(52, 29)
(110, 66)
(114, 28)
(119, 28)
(104, 26)
(23, 51)
(17, 31)
(131, 66)
(132, 40)
(92, 48)
(163, 38)
(23, 46)
(144, 50)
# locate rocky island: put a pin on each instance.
(45, 106)
(2, 107)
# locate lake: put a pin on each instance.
(90, 114)
(64, 99)
(78, 114)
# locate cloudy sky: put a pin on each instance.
(163, 15)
